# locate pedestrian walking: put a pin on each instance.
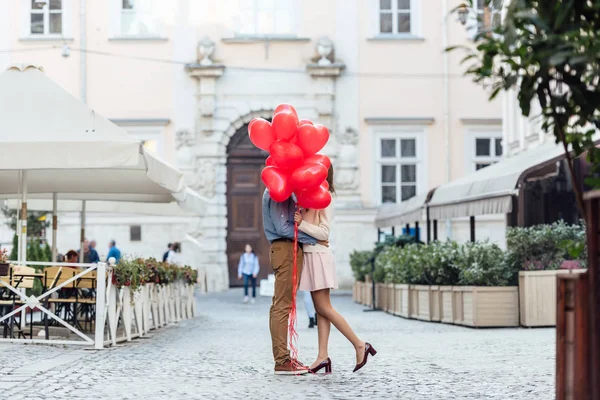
(166, 255)
(174, 256)
(113, 252)
(248, 269)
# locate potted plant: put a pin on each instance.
(541, 253)
(4, 265)
(484, 298)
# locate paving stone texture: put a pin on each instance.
(225, 353)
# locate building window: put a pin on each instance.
(488, 150)
(138, 19)
(399, 167)
(396, 17)
(266, 18)
(46, 17)
(135, 233)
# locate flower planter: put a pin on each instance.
(479, 306)
(356, 291)
(389, 295)
(421, 302)
(413, 302)
(367, 298)
(435, 300)
(401, 300)
(446, 304)
(537, 296)
(381, 298)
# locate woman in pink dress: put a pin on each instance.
(318, 277)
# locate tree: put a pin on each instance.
(36, 221)
(548, 51)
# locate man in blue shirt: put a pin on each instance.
(113, 252)
(278, 224)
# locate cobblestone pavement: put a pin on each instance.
(225, 353)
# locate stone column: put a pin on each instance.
(208, 173)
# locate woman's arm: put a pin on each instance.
(240, 266)
(321, 231)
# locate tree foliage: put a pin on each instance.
(548, 51)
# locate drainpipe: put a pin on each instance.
(446, 85)
(82, 53)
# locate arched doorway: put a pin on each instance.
(244, 204)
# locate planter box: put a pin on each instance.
(435, 300)
(479, 306)
(537, 296)
(356, 291)
(380, 293)
(401, 300)
(413, 302)
(389, 295)
(367, 293)
(421, 302)
(446, 304)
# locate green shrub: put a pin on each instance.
(482, 264)
(440, 263)
(544, 247)
(360, 267)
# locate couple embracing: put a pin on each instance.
(316, 269)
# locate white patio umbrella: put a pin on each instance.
(52, 143)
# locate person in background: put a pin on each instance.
(248, 269)
(310, 310)
(113, 252)
(72, 257)
(94, 257)
(173, 257)
(166, 255)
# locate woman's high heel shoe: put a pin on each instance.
(369, 350)
(324, 364)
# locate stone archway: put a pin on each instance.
(244, 196)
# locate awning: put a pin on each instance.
(490, 190)
(396, 214)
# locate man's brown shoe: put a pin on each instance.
(289, 368)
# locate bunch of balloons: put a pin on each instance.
(293, 165)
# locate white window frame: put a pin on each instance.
(66, 14)
(398, 133)
(294, 11)
(415, 20)
(474, 133)
(117, 32)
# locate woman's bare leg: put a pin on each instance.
(324, 329)
(324, 308)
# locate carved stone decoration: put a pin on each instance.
(196, 230)
(346, 176)
(206, 49)
(206, 179)
(325, 50)
(184, 138)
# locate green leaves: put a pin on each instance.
(549, 50)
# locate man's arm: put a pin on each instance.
(283, 220)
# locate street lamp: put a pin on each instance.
(463, 13)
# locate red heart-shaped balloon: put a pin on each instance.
(285, 125)
(269, 162)
(308, 176)
(305, 122)
(278, 182)
(317, 198)
(286, 155)
(285, 107)
(261, 133)
(312, 138)
(319, 158)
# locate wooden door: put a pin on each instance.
(244, 204)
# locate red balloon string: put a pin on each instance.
(292, 333)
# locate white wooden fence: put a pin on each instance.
(120, 316)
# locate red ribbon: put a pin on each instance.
(292, 333)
